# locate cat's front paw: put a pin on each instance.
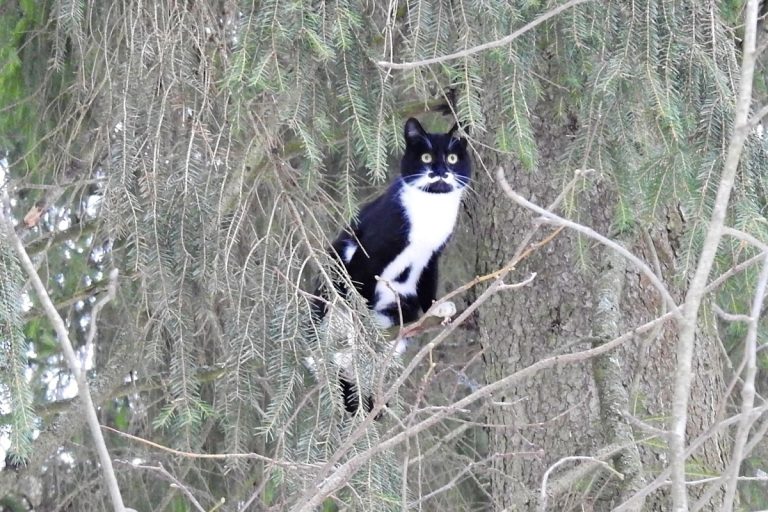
(444, 310)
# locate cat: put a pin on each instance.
(400, 235)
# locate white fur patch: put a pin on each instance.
(400, 346)
(432, 218)
(445, 310)
(423, 181)
(339, 325)
(382, 320)
(349, 251)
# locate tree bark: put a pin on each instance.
(567, 411)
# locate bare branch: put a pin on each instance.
(745, 237)
(730, 317)
(344, 471)
(747, 392)
(528, 280)
(689, 322)
(543, 492)
(662, 479)
(111, 291)
(559, 221)
(214, 456)
(74, 365)
(174, 481)
(485, 46)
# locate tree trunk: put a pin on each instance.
(575, 409)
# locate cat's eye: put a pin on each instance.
(452, 158)
(426, 158)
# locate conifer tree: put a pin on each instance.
(207, 151)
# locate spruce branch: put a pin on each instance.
(74, 365)
(143, 385)
(14, 359)
(75, 231)
(68, 421)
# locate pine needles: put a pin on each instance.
(237, 142)
(15, 387)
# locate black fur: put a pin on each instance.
(381, 233)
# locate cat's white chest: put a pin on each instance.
(431, 219)
(432, 216)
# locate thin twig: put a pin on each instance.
(174, 481)
(730, 317)
(72, 362)
(747, 392)
(741, 267)
(758, 116)
(560, 221)
(662, 479)
(111, 291)
(193, 455)
(485, 46)
(645, 427)
(543, 491)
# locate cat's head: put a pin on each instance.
(435, 162)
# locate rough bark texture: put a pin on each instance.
(608, 374)
(558, 413)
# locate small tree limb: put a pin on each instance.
(731, 474)
(543, 491)
(485, 46)
(555, 219)
(689, 323)
(108, 472)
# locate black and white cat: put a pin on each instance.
(400, 235)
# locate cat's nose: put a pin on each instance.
(443, 173)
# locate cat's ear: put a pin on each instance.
(457, 134)
(413, 131)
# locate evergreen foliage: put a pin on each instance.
(15, 388)
(226, 143)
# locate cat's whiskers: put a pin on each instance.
(469, 188)
(423, 181)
